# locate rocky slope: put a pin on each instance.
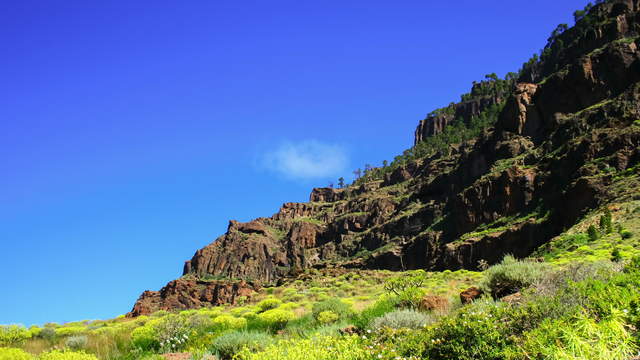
(565, 140)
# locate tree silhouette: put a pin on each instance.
(341, 182)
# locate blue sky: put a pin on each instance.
(132, 131)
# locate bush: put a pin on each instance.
(407, 288)
(327, 317)
(268, 304)
(379, 308)
(401, 319)
(13, 335)
(337, 306)
(171, 332)
(66, 355)
(626, 234)
(77, 342)
(228, 322)
(231, 343)
(144, 337)
(47, 333)
(582, 338)
(276, 319)
(70, 331)
(14, 354)
(321, 348)
(593, 233)
(474, 333)
(511, 276)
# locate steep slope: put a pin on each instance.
(536, 155)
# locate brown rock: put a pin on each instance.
(469, 295)
(513, 299)
(434, 303)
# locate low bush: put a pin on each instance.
(626, 234)
(145, 338)
(77, 342)
(379, 308)
(327, 317)
(227, 345)
(66, 355)
(321, 348)
(276, 319)
(512, 275)
(228, 322)
(13, 335)
(268, 304)
(14, 354)
(336, 306)
(401, 319)
(71, 331)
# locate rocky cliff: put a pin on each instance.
(565, 139)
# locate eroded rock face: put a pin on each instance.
(509, 191)
(184, 294)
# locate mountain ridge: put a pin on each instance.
(533, 158)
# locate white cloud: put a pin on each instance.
(308, 159)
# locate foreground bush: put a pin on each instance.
(13, 335)
(512, 275)
(578, 338)
(276, 319)
(66, 355)
(231, 343)
(77, 342)
(14, 354)
(336, 306)
(322, 348)
(401, 319)
(379, 308)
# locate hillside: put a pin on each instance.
(504, 171)
(509, 230)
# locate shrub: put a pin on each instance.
(511, 276)
(13, 335)
(47, 333)
(276, 319)
(66, 355)
(228, 322)
(337, 306)
(606, 225)
(14, 354)
(401, 319)
(171, 332)
(473, 333)
(615, 255)
(268, 304)
(321, 348)
(407, 287)
(77, 342)
(582, 338)
(144, 337)
(70, 331)
(231, 343)
(626, 234)
(327, 317)
(379, 308)
(593, 233)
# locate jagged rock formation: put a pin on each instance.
(554, 153)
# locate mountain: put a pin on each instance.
(504, 171)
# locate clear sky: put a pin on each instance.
(132, 131)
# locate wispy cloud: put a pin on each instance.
(308, 159)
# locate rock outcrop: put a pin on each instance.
(558, 140)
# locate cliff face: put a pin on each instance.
(556, 151)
